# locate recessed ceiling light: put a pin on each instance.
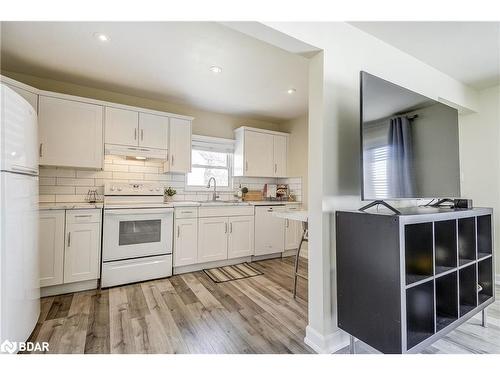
(215, 69)
(102, 37)
(291, 91)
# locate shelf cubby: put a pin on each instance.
(485, 279)
(446, 300)
(484, 244)
(400, 284)
(445, 245)
(466, 240)
(419, 313)
(418, 252)
(468, 288)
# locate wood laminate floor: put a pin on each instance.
(191, 314)
(186, 313)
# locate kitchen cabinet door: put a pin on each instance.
(185, 242)
(121, 127)
(82, 252)
(70, 133)
(269, 231)
(212, 239)
(153, 131)
(259, 154)
(27, 95)
(280, 155)
(241, 236)
(293, 234)
(51, 247)
(179, 159)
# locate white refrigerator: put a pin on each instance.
(19, 280)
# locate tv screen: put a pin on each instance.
(409, 144)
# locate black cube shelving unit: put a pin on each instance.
(404, 281)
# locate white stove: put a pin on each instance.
(137, 233)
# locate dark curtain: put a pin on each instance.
(401, 171)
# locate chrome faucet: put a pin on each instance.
(214, 195)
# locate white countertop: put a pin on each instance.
(69, 206)
(292, 215)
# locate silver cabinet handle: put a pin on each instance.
(167, 156)
(142, 135)
(172, 159)
(178, 231)
(287, 223)
(83, 215)
(226, 227)
(69, 239)
(275, 168)
(135, 134)
(230, 227)
(186, 212)
(246, 166)
(40, 151)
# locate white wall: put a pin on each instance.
(334, 171)
(480, 157)
(297, 150)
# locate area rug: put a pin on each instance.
(231, 273)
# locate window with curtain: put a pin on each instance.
(211, 157)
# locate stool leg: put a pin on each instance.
(484, 321)
(352, 347)
(296, 270)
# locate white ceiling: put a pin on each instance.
(466, 51)
(164, 60)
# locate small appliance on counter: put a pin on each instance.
(273, 192)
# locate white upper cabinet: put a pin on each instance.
(260, 153)
(70, 133)
(179, 159)
(29, 96)
(122, 127)
(280, 155)
(153, 131)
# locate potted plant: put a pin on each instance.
(169, 193)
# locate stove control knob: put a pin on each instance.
(119, 189)
(112, 188)
(151, 189)
(157, 189)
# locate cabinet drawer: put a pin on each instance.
(226, 211)
(186, 212)
(83, 216)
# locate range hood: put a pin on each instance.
(135, 152)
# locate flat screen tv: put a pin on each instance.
(409, 144)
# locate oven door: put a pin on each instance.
(137, 232)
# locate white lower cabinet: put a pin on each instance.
(69, 246)
(185, 242)
(81, 260)
(241, 236)
(293, 234)
(212, 239)
(51, 247)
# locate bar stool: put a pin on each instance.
(296, 274)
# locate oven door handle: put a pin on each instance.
(138, 211)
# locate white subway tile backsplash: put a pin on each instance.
(57, 190)
(93, 174)
(72, 185)
(127, 176)
(140, 168)
(75, 181)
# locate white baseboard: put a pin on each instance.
(497, 281)
(326, 344)
(56, 290)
